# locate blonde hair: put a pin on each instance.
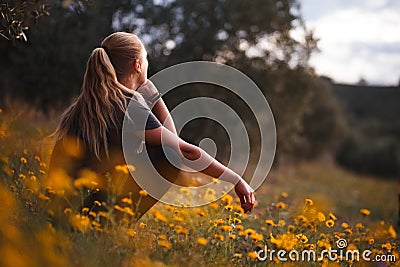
(102, 93)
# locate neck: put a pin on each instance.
(129, 82)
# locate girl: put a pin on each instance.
(89, 138)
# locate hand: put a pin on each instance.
(246, 195)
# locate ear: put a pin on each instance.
(136, 65)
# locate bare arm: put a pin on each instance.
(161, 111)
(197, 159)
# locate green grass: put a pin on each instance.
(169, 236)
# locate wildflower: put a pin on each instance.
(227, 199)
(280, 205)
(359, 226)
(256, 237)
(218, 236)
(321, 217)
(236, 221)
(84, 182)
(180, 230)
(210, 195)
(103, 214)
(165, 244)
(332, 216)
(291, 228)
(22, 176)
(169, 208)
(124, 168)
(67, 211)
(387, 246)
(252, 255)
(97, 203)
(126, 200)
(309, 201)
(43, 197)
(232, 236)
(302, 238)
(162, 237)
(284, 195)
(218, 222)
(96, 224)
(202, 241)
(392, 232)
(302, 218)
(142, 225)
(85, 210)
(330, 223)
(249, 231)
(130, 232)
(348, 231)
(177, 218)
(371, 241)
(226, 228)
(185, 191)
(23, 160)
(281, 223)
(200, 212)
(270, 222)
(345, 225)
(365, 212)
(215, 180)
(159, 216)
(228, 207)
(93, 214)
(214, 205)
(80, 222)
(143, 193)
(352, 247)
(238, 255)
(37, 158)
(42, 172)
(239, 227)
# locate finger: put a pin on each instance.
(253, 198)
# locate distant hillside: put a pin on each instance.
(376, 106)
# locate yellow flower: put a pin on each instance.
(177, 218)
(23, 160)
(227, 199)
(302, 238)
(236, 221)
(218, 222)
(80, 222)
(130, 232)
(284, 195)
(330, 223)
(345, 225)
(252, 255)
(85, 209)
(309, 201)
(67, 211)
(291, 228)
(249, 231)
(226, 228)
(165, 244)
(218, 236)
(143, 193)
(371, 241)
(280, 205)
(348, 231)
(392, 232)
(97, 203)
(214, 205)
(281, 223)
(142, 225)
(162, 237)
(332, 216)
(159, 216)
(215, 180)
(232, 236)
(270, 222)
(256, 237)
(365, 212)
(387, 246)
(202, 241)
(238, 227)
(200, 212)
(321, 217)
(228, 207)
(43, 197)
(93, 214)
(302, 218)
(359, 226)
(180, 230)
(126, 200)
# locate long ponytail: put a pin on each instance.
(95, 108)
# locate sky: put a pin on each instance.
(358, 39)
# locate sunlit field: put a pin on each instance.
(309, 206)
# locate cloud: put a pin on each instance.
(358, 41)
